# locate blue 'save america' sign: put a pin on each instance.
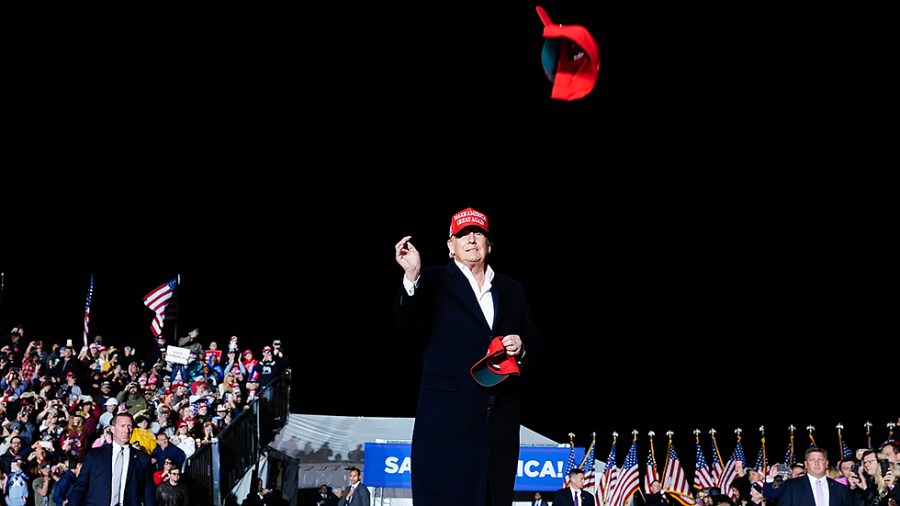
(540, 467)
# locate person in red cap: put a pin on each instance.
(465, 442)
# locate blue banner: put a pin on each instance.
(540, 467)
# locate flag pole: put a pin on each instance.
(2, 285)
(790, 458)
(839, 427)
(762, 439)
(177, 308)
(87, 310)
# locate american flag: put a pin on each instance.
(629, 478)
(651, 474)
(730, 473)
(846, 452)
(790, 458)
(570, 462)
(87, 309)
(702, 476)
(674, 481)
(716, 469)
(610, 477)
(157, 300)
(588, 465)
(761, 464)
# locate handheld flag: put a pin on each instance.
(157, 300)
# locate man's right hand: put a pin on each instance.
(408, 257)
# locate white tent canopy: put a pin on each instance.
(324, 445)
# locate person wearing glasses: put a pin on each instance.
(172, 492)
(872, 490)
(160, 476)
(815, 488)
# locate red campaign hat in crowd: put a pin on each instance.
(570, 57)
(496, 366)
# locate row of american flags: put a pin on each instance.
(157, 300)
(613, 485)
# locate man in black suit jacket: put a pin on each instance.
(93, 487)
(539, 500)
(465, 442)
(567, 496)
(799, 491)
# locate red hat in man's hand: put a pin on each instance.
(496, 366)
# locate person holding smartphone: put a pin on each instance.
(872, 489)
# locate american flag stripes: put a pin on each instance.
(715, 470)
(651, 473)
(730, 473)
(674, 481)
(157, 300)
(702, 475)
(87, 309)
(629, 478)
(570, 462)
(588, 465)
(761, 464)
(610, 477)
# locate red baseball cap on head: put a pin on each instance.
(468, 217)
(495, 366)
(570, 57)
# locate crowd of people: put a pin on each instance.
(58, 402)
(868, 478)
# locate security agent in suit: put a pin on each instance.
(465, 442)
(539, 500)
(799, 491)
(566, 496)
(355, 494)
(93, 486)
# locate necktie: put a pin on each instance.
(117, 475)
(820, 494)
(576, 498)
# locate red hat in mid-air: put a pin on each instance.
(570, 57)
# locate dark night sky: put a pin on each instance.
(701, 237)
